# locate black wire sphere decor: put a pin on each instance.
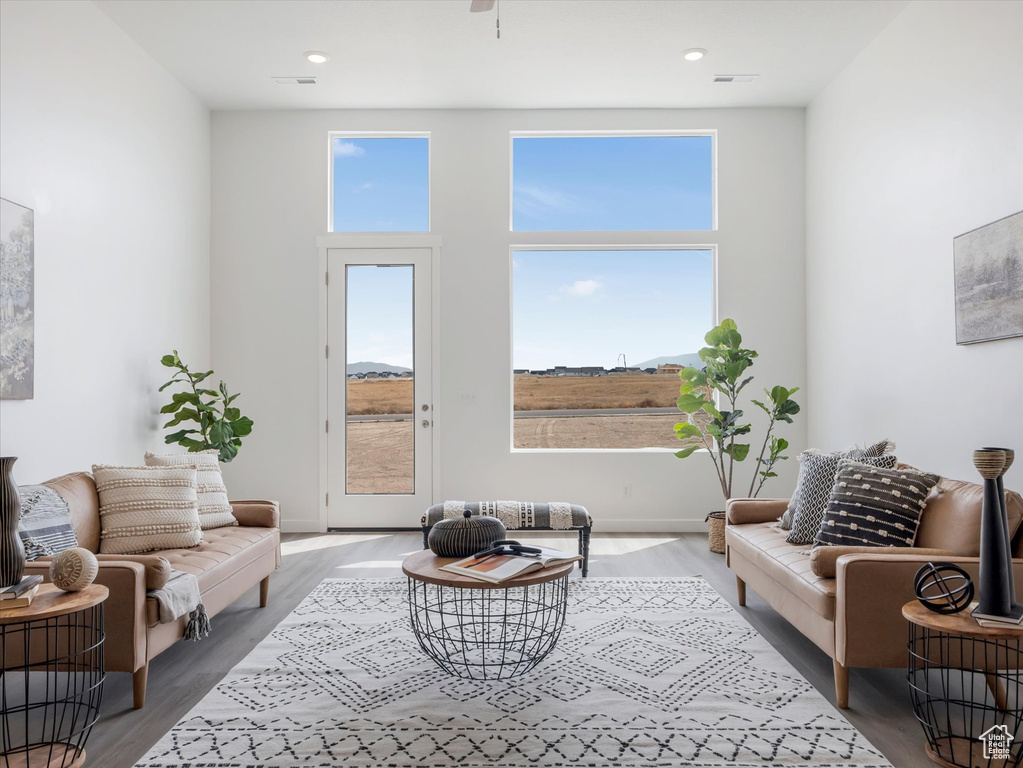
(944, 588)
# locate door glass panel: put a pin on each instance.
(380, 387)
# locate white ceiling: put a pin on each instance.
(552, 53)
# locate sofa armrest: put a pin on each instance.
(743, 511)
(870, 591)
(258, 513)
(824, 560)
(124, 611)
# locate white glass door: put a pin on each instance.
(379, 400)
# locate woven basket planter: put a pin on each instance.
(716, 532)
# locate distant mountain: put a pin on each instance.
(375, 368)
(692, 359)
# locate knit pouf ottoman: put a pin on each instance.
(521, 516)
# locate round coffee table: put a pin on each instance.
(966, 683)
(52, 679)
(481, 631)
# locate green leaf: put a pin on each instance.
(171, 361)
(728, 324)
(241, 427)
(171, 407)
(690, 403)
(687, 451)
(185, 414)
(685, 431)
(232, 413)
(228, 451)
(738, 451)
(193, 446)
(175, 437)
(221, 432)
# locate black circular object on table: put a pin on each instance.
(465, 536)
(944, 588)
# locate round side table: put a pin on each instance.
(966, 684)
(481, 631)
(52, 682)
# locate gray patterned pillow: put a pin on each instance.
(877, 449)
(875, 507)
(818, 479)
(45, 524)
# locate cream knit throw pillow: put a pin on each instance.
(214, 508)
(147, 508)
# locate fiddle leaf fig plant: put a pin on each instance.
(219, 424)
(725, 364)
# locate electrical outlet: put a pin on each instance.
(627, 490)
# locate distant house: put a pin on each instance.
(372, 375)
(538, 373)
(517, 371)
(649, 370)
(406, 374)
(670, 368)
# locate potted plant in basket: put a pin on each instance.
(725, 363)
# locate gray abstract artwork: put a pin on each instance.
(17, 302)
(989, 281)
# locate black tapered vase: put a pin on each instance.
(997, 588)
(12, 553)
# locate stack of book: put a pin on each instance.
(990, 620)
(20, 595)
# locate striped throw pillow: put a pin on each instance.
(142, 509)
(875, 507)
(45, 523)
(214, 508)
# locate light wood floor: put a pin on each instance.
(182, 675)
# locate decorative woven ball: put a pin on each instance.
(73, 569)
(466, 535)
(944, 588)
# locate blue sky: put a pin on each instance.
(613, 183)
(380, 315)
(381, 185)
(571, 307)
(587, 307)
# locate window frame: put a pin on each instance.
(710, 132)
(332, 135)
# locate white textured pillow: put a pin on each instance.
(147, 508)
(214, 508)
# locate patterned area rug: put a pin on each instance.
(648, 672)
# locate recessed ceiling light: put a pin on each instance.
(694, 54)
(316, 57)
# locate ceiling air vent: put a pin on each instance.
(294, 80)
(735, 78)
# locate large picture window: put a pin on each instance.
(598, 340)
(380, 184)
(612, 183)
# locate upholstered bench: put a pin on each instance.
(521, 516)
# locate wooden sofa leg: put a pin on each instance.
(740, 588)
(841, 685)
(264, 591)
(138, 685)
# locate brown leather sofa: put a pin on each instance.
(228, 563)
(848, 600)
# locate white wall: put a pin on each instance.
(920, 139)
(112, 153)
(269, 205)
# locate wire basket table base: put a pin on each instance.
(967, 693)
(487, 634)
(51, 687)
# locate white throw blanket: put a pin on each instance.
(180, 595)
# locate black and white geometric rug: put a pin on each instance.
(648, 672)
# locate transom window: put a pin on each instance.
(379, 183)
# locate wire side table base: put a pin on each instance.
(487, 634)
(966, 687)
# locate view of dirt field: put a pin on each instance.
(598, 432)
(532, 393)
(380, 457)
(629, 390)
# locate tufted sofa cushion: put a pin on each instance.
(224, 552)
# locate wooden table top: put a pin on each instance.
(961, 623)
(425, 566)
(50, 601)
